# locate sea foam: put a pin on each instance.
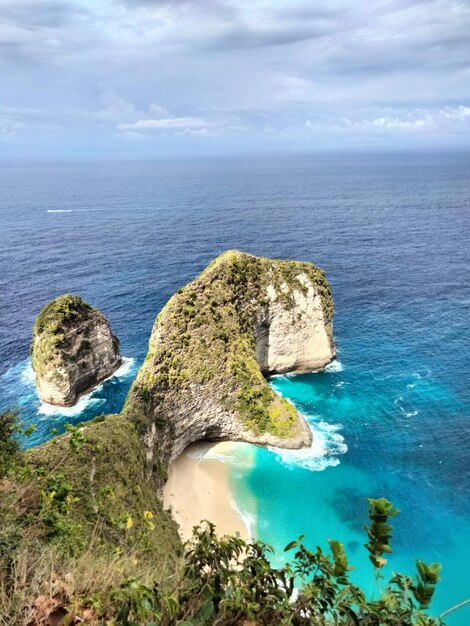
(334, 366)
(88, 400)
(326, 446)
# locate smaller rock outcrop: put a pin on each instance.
(73, 350)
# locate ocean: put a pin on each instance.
(390, 415)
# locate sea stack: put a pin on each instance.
(213, 344)
(73, 350)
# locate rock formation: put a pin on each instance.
(212, 342)
(73, 350)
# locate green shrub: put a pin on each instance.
(228, 581)
(9, 445)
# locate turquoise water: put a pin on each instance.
(390, 231)
(383, 426)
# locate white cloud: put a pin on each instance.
(460, 113)
(9, 127)
(245, 73)
(158, 109)
(394, 123)
(398, 122)
(166, 123)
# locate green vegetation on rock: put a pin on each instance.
(9, 445)
(50, 325)
(60, 311)
(204, 339)
(73, 349)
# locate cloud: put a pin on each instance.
(9, 127)
(460, 113)
(233, 72)
(169, 123)
(253, 38)
(450, 119)
(47, 14)
(419, 119)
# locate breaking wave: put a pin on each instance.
(334, 366)
(88, 400)
(327, 445)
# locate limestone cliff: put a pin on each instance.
(73, 350)
(212, 342)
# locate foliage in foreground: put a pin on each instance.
(229, 581)
(72, 550)
(77, 516)
(9, 445)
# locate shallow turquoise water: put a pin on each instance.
(377, 433)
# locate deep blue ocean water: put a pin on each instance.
(391, 231)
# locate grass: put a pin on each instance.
(81, 511)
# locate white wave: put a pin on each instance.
(201, 454)
(237, 454)
(425, 373)
(69, 411)
(19, 373)
(60, 210)
(27, 375)
(326, 446)
(124, 370)
(334, 366)
(249, 520)
(398, 403)
(87, 400)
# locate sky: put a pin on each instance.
(153, 78)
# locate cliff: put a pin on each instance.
(203, 378)
(73, 350)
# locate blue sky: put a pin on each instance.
(150, 78)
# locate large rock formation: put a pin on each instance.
(212, 342)
(73, 350)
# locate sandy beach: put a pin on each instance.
(198, 488)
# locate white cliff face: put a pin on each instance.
(296, 338)
(76, 357)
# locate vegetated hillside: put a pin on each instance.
(80, 515)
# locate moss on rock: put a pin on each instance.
(72, 350)
(50, 325)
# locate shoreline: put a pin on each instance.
(198, 488)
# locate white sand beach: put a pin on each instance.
(198, 488)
